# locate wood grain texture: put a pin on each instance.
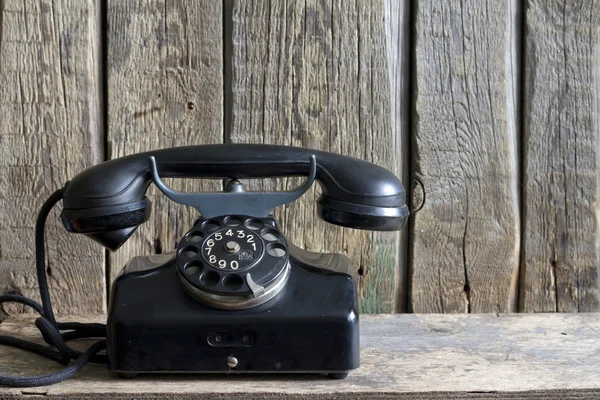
(49, 131)
(465, 238)
(561, 141)
(315, 74)
(165, 89)
(542, 356)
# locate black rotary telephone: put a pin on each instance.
(235, 296)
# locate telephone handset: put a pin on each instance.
(234, 296)
(107, 202)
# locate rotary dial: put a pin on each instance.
(233, 262)
(232, 249)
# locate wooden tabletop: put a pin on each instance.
(549, 356)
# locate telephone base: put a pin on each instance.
(311, 326)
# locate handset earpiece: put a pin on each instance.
(361, 216)
(110, 226)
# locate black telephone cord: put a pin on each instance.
(56, 334)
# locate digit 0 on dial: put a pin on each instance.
(232, 248)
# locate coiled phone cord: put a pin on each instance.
(46, 323)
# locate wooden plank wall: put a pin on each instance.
(488, 111)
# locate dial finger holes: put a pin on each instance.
(276, 250)
(211, 225)
(269, 235)
(233, 221)
(210, 278)
(194, 237)
(188, 252)
(193, 267)
(233, 282)
(254, 224)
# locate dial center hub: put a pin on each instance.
(232, 247)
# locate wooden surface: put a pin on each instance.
(49, 131)
(549, 356)
(465, 237)
(561, 128)
(315, 74)
(165, 83)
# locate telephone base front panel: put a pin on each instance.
(154, 326)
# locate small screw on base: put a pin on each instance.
(232, 362)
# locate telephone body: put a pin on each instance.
(235, 296)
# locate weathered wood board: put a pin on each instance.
(561, 168)
(50, 122)
(549, 356)
(465, 237)
(315, 74)
(165, 89)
